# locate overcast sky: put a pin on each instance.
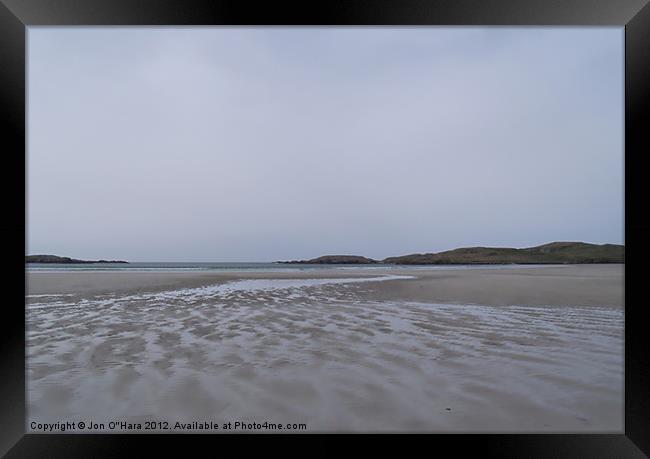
(243, 144)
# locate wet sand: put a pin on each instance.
(587, 285)
(475, 350)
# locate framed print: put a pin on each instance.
(369, 217)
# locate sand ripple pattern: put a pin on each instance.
(321, 352)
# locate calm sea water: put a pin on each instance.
(174, 266)
(217, 266)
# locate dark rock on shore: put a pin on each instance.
(64, 260)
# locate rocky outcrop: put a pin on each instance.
(64, 260)
(334, 260)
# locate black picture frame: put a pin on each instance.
(634, 15)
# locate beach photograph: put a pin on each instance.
(325, 230)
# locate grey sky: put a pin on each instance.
(242, 144)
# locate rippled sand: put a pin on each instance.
(334, 354)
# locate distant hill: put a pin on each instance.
(553, 253)
(334, 260)
(64, 260)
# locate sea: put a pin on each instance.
(244, 266)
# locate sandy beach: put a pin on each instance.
(513, 349)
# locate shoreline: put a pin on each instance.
(548, 285)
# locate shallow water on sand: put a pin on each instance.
(323, 353)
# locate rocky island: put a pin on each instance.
(334, 260)
(64, 260)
